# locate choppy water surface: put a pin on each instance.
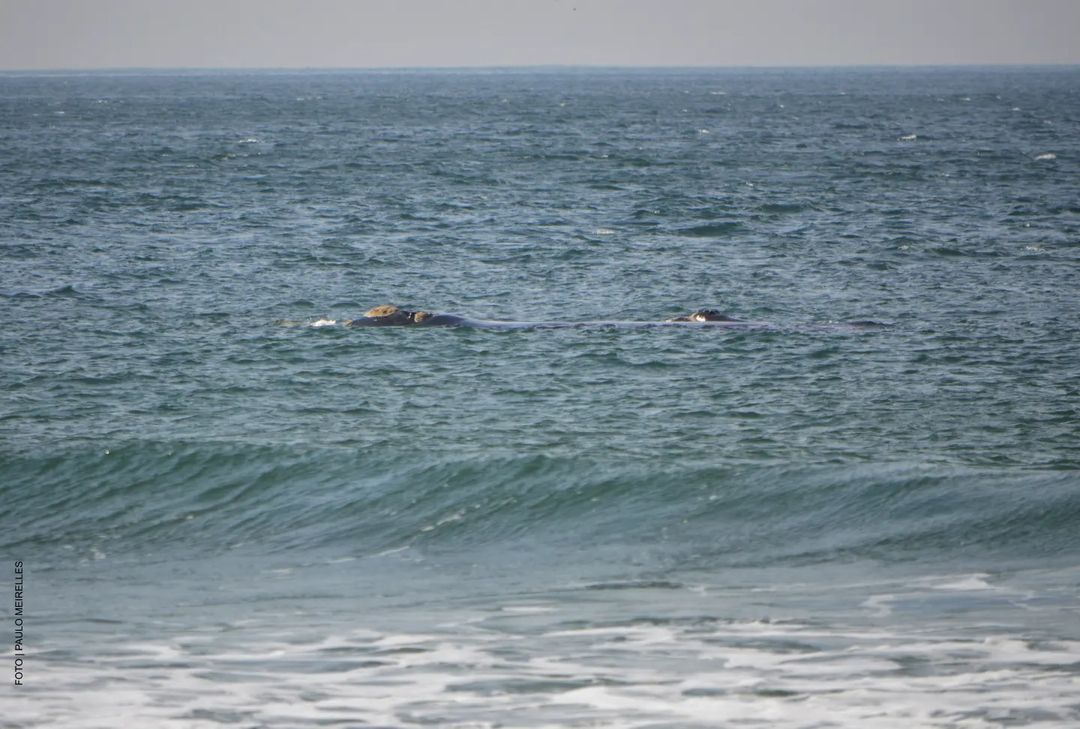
(229, 516)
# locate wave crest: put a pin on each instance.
(213, 497)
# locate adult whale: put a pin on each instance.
(390, 315)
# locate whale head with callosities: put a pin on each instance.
(389, 315)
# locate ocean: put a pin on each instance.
(230, 510)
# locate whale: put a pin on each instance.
(389, 315)
(703, 315)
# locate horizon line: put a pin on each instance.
(526, 67)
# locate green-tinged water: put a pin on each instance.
(233, 510)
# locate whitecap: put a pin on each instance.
(968, 582)
(879, 604)
(323, 323)
(908, 138)
(1046, 155)
(527, 609)
(456, 516)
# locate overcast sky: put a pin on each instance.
(82, 34)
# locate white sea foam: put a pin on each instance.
(393, 550)
(323, 323)
(528, 609)
(879, 604)
(908, 138)
(450, 519)
(969, 582)
(1046, 155)
(95, 555)
(622, 676)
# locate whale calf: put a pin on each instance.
(703, 315)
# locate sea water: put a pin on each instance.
(232, 511)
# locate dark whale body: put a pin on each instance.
(431, 320)
(382, 316)
(451, 320)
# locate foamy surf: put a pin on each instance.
(519, 666)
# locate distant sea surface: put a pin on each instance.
(230, 517)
